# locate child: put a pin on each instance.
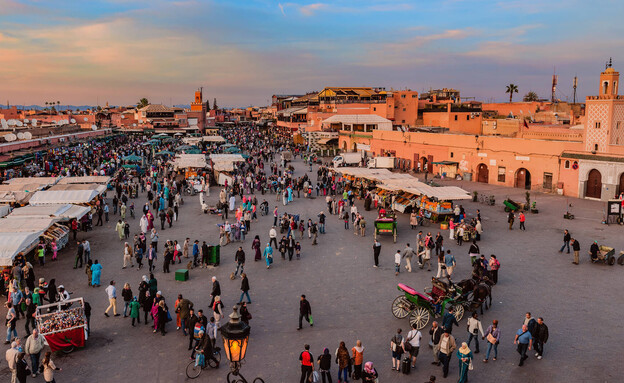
(298, 250)
(54, 249)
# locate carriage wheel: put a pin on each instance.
(620, 260)
(458, 312)
(611, 260)
(401, 307)
(420, 317)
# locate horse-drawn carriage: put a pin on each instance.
(420, 307)
(386, 224)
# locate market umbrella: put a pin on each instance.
(165, 153)
(193, 151)
(133, 158)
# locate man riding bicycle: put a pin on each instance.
(205, 348)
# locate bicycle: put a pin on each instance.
(193, 370)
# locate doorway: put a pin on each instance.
(482, 173)
(621, 187)
(523, 179)
(593, 188)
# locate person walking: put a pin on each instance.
(376, 252)
(413, 338)
(126, 294)
(127, 257)
(307, 364)
(305, 311)
(49, 368)
(492, 334)
(268, 255)
(447, 346)
(134, 311)
(524, 340)
(324, 363)
(96, 273)
(111, 292)
(494, 266)
(449, 262)
(474, 327)
(465, 362)
(510, 220)
(239, 258)
(273, 236)
(540, 337)
(566, 241)
(408, 253)
(21, 368)
(576, 247)
(449, 320)
(474, 252)
(522, 219)
(79, 254)
(397, 262)
(216, 290)
(396, 345)
(343, 360)
(244, 288)
(436, 335)
(357, 356)
(34, 344)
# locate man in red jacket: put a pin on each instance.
(307, 364)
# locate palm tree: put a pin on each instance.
(511, 89)
(58, 103)
(531, 96)
(46, 104)
(142, 103)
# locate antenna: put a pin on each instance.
(574, 85)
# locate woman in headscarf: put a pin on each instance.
(370, 374)
(256, 246)
(324, 362)
(268, 255)
(465, 360)
(96, 273)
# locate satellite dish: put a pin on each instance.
(86, 119)
(19, 123)
(73, 121)
(58, 122)
(20, 136)
(25, 121)
(93, 127)
(11, 122)
(10, 137)
(133, 124)
(28, 135)
(34, 122)
(4, 124)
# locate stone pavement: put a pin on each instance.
(351, 300)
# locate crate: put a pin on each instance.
(182, 275)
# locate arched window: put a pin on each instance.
(567, 164)
(605, 85)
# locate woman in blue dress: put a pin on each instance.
(465, 359)
(268, 254)
(96, 273)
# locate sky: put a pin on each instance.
(244, 51)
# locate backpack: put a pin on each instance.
(197, 329)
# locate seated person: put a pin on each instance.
(594, 251)
(382, 212)
(205, 347)
(437, 305)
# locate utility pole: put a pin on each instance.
(574, 84)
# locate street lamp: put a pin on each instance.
(235, 336)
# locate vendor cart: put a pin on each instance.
(63, 324)
(512, 206)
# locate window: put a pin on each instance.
(402, 96)
(402, 121)
(455, 117)
(413, 96)
(404, 109)
(566, 164)
(467, 117)
(595, 147)
(451, 154)
(598, 125)
(501, 174)
(548, 181)
(617, 125)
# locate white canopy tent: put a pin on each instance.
(227, 157)
(182, 161)
(12, 244)
(25, 224)
(59, 211)
(42, 181)
(84, 180)
(48, 197)
(441, 193)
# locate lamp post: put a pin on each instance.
(235, 336)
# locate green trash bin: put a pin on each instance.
(214, 257)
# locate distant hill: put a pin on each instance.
(79, 107)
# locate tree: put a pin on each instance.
(214, 104)
(531, 96)
(142, 103)
(58, 103)
(46, 104)
(511, 89)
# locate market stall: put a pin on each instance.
(12, 244)
(62, 212)
(48, 197)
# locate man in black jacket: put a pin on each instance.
(540, 337)
(436, 333)
(239, 258)
(205, 347)
(376, 251)
(304, 312)
(576, 246)
(216, 290)
(79, 252)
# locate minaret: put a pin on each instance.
(609, 81)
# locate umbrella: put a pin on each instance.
(193, 151)
(165, 153)
(159, 136)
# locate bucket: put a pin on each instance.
(444, 226)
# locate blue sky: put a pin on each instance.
(242, 52)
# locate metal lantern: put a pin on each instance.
(235, 336)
